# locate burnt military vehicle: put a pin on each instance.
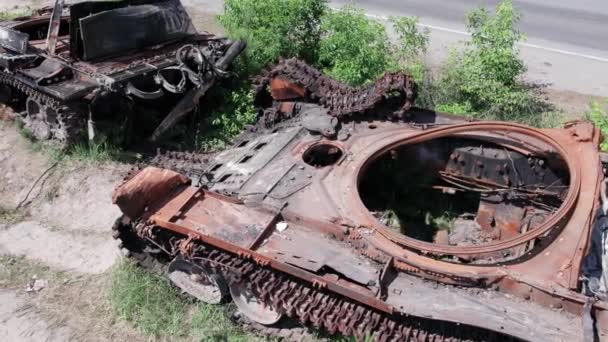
(351, 210)
(130, 68)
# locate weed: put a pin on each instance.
(463, 108)
(411, 47)
(551, 119)
(598, 114)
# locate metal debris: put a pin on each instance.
(36, 285)
(68, 82)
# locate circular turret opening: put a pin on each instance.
(322, 155)
(459, 191)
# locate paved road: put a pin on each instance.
(566, 46)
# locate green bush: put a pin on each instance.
(230, 116)
(598, 114)
(354, 49)
(485, 78)
(274, 28)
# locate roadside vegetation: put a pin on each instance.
(598, 114)
(159, 310)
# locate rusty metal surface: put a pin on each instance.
(330, 238)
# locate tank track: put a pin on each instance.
(298, 300)
(341, 100)
(190, 164)
(71, 124)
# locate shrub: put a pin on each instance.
(354, 49)
(598, 114)
(274, 28)
(226, 121)
(486, 76)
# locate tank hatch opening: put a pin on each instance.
(463, 192)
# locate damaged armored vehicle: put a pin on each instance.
(353, 211)
(130, 69)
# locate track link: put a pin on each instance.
(341, 100)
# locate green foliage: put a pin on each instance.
(411, 46)
(463, 108)
(598, 114)
(354, 49)
(93, 152)
(9, 216)
(229, 118)
(485, 78)
(274, 28)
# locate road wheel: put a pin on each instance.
(198, 282)
(250, 306)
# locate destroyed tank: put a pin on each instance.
(382, 221)
(124, 69)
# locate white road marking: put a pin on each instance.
(529, 45)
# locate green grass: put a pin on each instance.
(598, 114)
(92, 152)
(157, 309)
(15, 13)
(147, 301)
(210, 323)
(10, 216)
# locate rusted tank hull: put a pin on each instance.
(290, 218)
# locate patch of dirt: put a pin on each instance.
(66, 225)
(70, 307)
(84, 253)
(19, 321)
(72, 196)
(573, 104)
